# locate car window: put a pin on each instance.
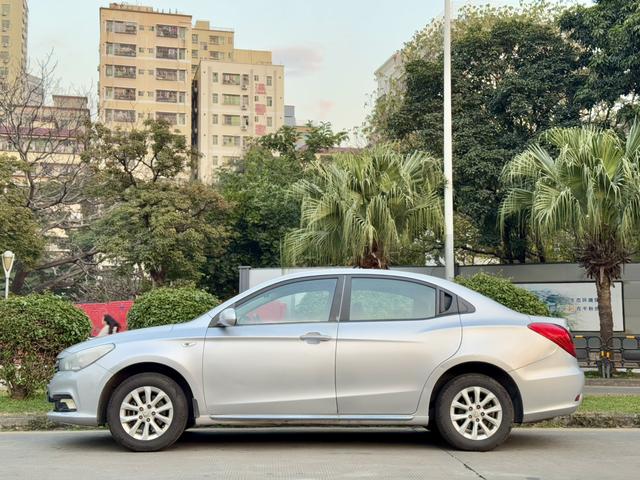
(304, 301)
(389, 299)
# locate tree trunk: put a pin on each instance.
(374, 258)
(158, 277)
(18, 280)
(603, 287)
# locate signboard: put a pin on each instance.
(578, 303)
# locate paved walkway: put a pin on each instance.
(315, 454)
(611, 390)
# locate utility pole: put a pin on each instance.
(448, 149)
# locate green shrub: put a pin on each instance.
(503, 291)
(163, 306)
(33, 330)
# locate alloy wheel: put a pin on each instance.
(146, 413)
(476, 413)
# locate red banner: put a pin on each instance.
(261, 109)
(261, 89)
(261, 130)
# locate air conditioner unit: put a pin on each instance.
(244, 87)
(244, 128)
(244, 107)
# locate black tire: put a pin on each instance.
(175, 428)
(445, 423)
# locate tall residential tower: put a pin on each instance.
(14, 16)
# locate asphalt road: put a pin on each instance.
(323, 454)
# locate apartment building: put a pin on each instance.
(145, 67)
(235, 102)
(210, 44)
(14, 16)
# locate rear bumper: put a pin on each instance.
(550, 387)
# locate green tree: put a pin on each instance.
(514, 76)
(361, 209)
(608, 34)
(261, 209)
(19, 230)
(589, 188)
(152, 220)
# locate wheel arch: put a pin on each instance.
(146, 367)
(484, 368)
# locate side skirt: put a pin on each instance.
(312, 420)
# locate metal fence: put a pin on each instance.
(621, 352)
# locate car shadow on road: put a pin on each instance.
(331, 438)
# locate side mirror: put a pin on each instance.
(227, 318)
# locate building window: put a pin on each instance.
(124, 93)
(214, 140)
(140, 93)
(216, 55)
(194, 53)
(216, 40)
(168, 31)
(5, 25)
(231, 120)
(170, 53)
(126, 116)
(269, 101)
(167, 96)
(194, 38)
(214, 118)
(121, 49)
(230, 160)
(230, 140)
(167, 74)
(231, 78)
(214, 98)
(256, 78)
(141, 50)
(269, 122)
(256, 98)
(169, 117)
(214, 77)
(269, 80)
(230, 99)
(256, 119)
(5, 9)
(182, 75)
(115, 26)
(120, 71)
(182, 97)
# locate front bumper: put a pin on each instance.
(550, 387)
(79, 389)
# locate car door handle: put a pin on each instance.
(315, 337)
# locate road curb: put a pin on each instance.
(592, 420)
(578, 420)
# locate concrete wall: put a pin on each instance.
(531, 273)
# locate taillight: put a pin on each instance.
(557, 334)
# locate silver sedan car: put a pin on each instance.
(331, 347)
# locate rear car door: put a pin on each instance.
(393, 333)
(279, 359)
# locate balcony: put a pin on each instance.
(167, 31)
(166, 74)
(167, 96)
(124, 71)
(121, 49)
(169, 53)
(170, 118)
(124, 93)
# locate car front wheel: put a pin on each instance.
(147, 412)
(474, 412)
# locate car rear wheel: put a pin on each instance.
(474, 412)
(147, 412)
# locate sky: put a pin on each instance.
(330, 49)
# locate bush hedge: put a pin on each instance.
(33, 330)
(503, 291)
(163, 306)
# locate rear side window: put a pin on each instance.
(375, 299)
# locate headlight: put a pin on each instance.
(84, 358)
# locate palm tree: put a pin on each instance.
(360, 208)
(590, 189)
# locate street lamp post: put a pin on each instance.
(448, 149)
(7, 264)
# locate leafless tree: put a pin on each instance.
(44, 132)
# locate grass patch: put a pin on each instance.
(628, 404)
(9, 406)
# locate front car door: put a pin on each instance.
(279, 359)
(393, 333)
